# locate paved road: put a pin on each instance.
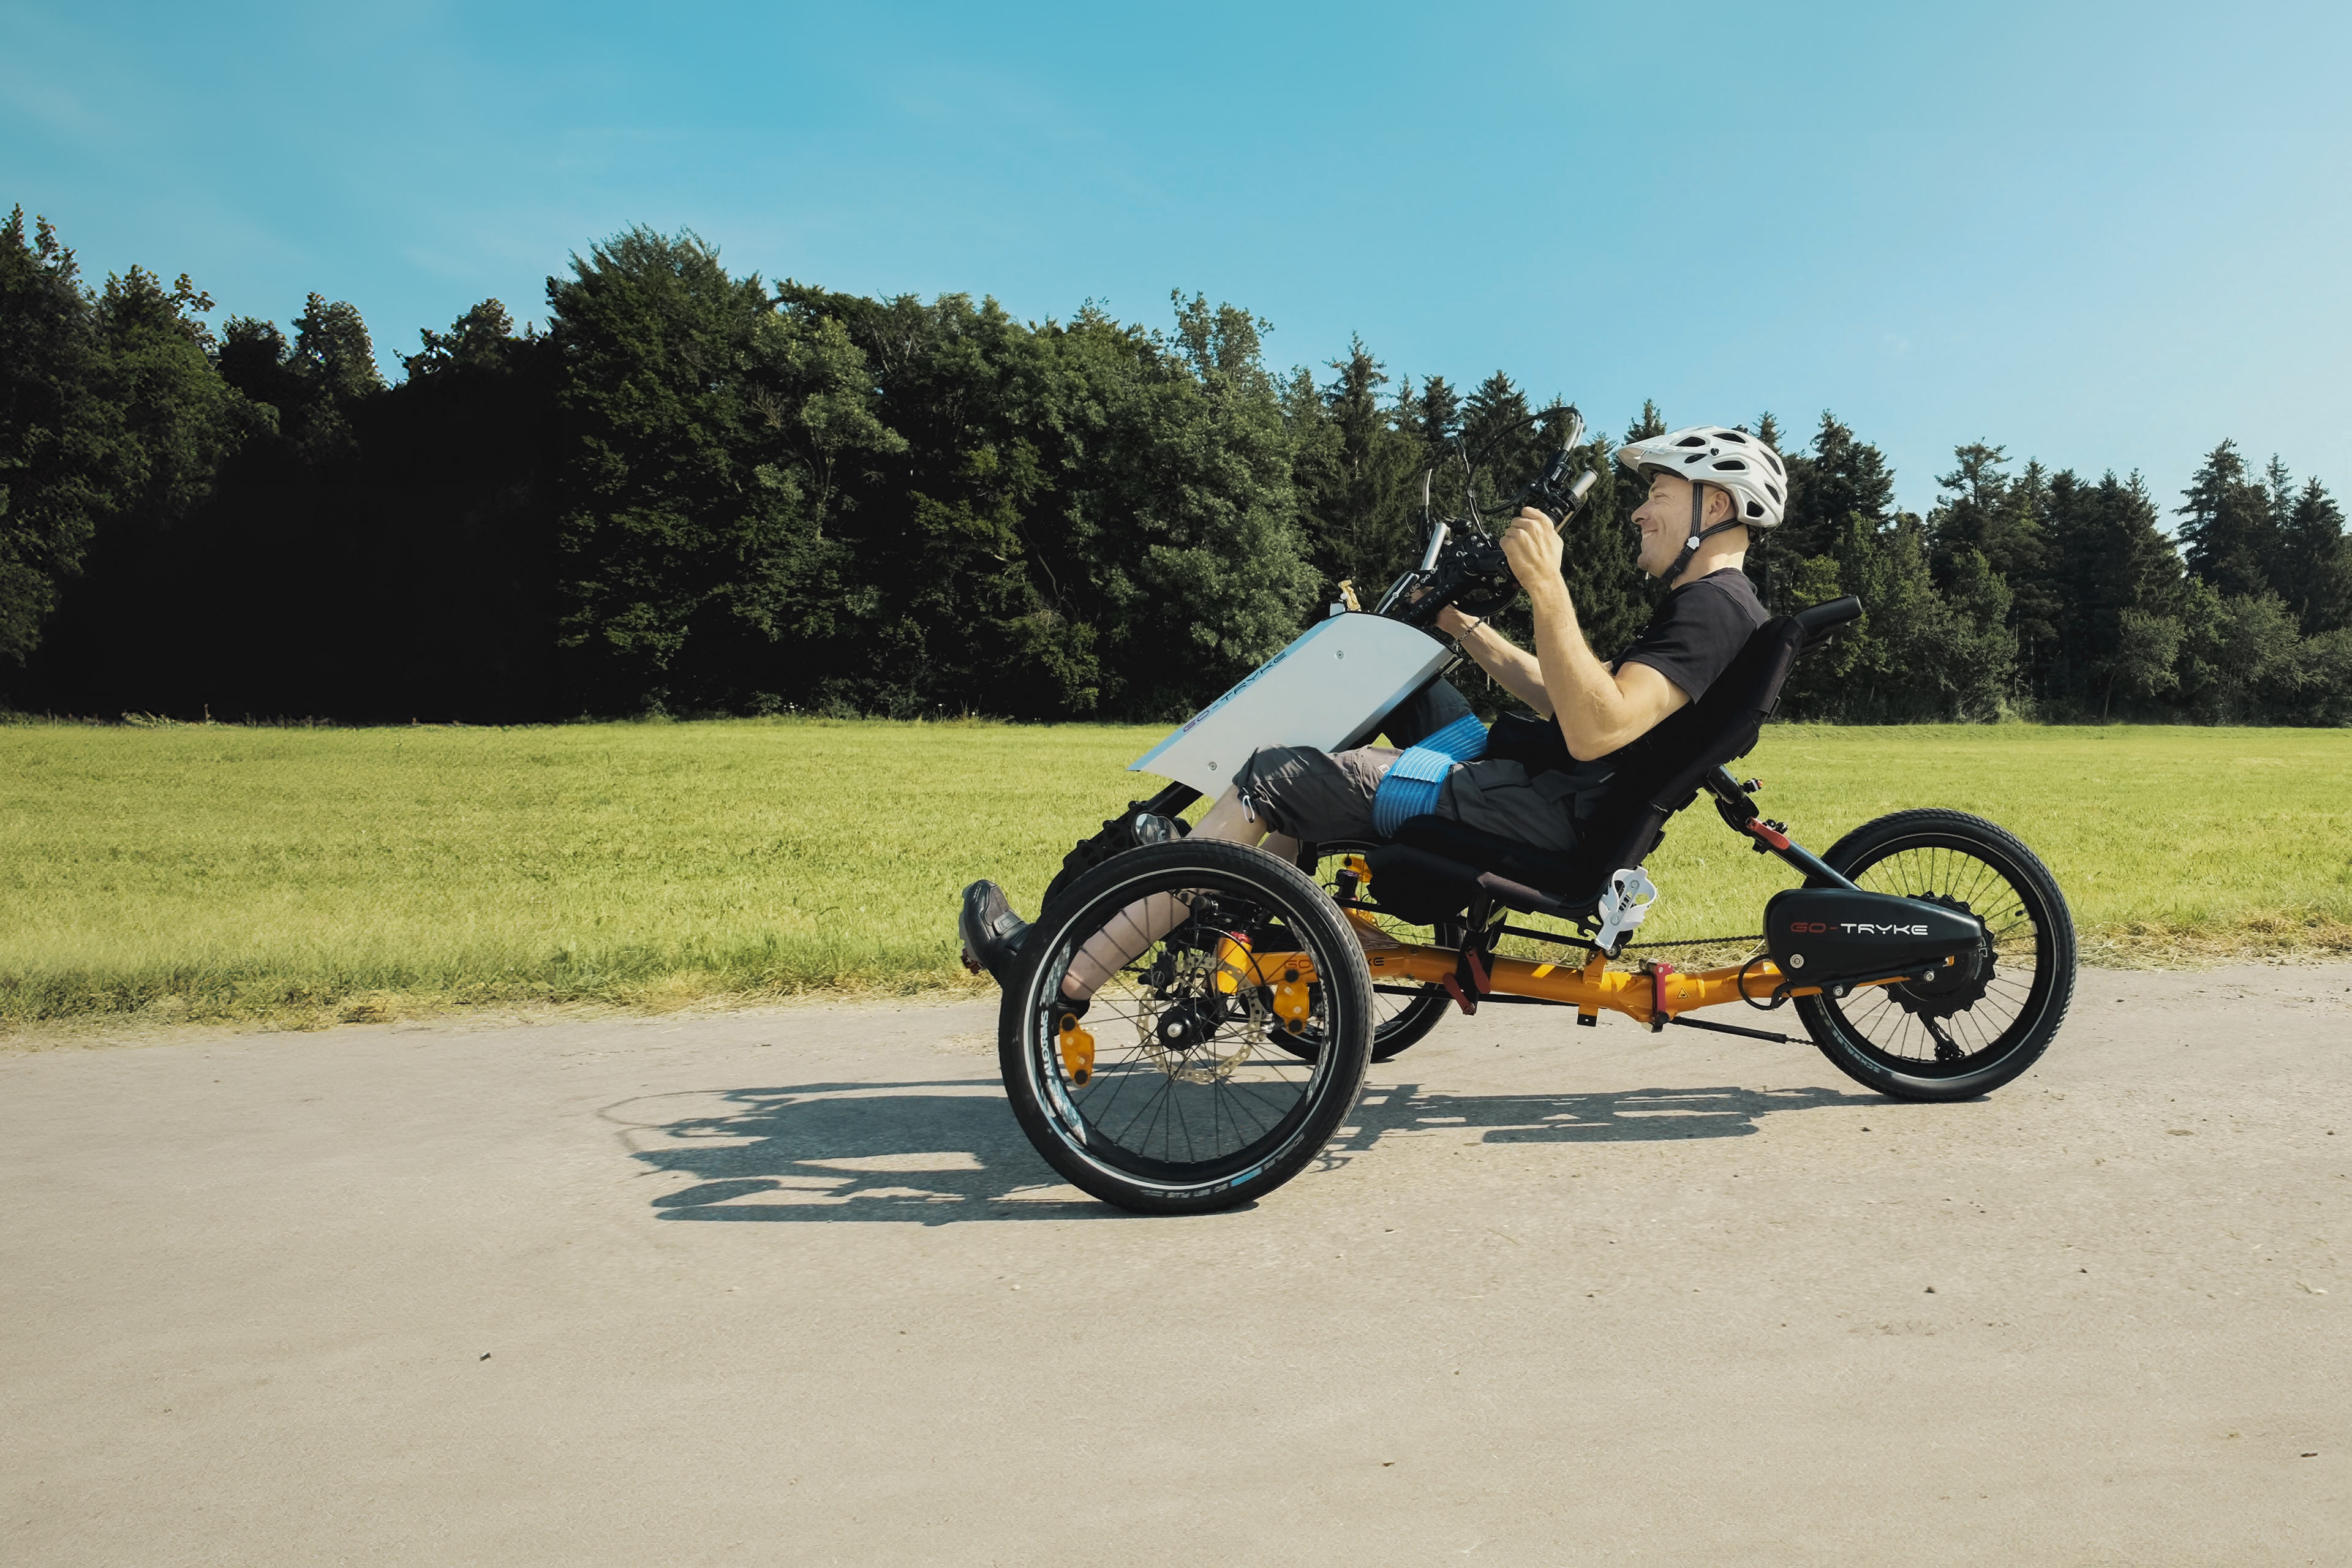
(788, 1287)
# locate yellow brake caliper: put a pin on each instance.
(1077, 1051)
(1292, 1003)
(1283, 977)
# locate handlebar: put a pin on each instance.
(1460, 563)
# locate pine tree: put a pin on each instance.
(1770, 566)
(1499, 441)
(2119, 579)
(1599, 559)
(1435, 414)
(1839, 477)
(2316, 561)
(1362, 522)
(1988, 513)
(2228, 525)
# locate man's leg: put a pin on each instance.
(1282, 795)
(1135, 928)
(992, 934)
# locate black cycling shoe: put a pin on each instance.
(992, 932)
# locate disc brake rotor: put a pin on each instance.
(1178, 1035)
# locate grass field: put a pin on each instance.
(309, 875)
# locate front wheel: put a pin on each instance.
(1171, 1095)
(1971, 1029)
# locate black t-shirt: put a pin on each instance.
(1700, 629)
(1691, 639)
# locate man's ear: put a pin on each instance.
(1722, 506)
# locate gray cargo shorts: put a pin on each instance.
(1327, 797)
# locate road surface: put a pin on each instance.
(787, 1286)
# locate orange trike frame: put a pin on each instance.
(1654, 995)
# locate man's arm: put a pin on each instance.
(1598, 711)
(1513, 668)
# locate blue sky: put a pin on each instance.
(2106, 235)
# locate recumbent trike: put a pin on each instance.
(1928, 955)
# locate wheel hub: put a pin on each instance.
(1958, 987)
(1186, 1024)
(1179, 1038)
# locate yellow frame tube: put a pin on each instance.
(1629, 992)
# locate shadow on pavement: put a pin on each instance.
(942, 1151)
(1636, 1115)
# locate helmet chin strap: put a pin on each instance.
(1699, 534)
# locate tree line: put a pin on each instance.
(694, 492)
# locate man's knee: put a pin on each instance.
(1306, 794)
(1266, 777)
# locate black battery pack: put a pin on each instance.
(1833, 933)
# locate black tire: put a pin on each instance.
(1190, 1107)
(1402, 1015)
(1966, 1037)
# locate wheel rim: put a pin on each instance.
(1189, 1085)
(1960, 1024)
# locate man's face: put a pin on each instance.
(1664, 521)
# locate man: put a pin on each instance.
(1708, 486)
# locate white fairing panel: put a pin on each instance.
(1321, 691)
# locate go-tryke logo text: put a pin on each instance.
(1853, 928)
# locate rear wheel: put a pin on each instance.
(1187, 1103)
(1980, 1025)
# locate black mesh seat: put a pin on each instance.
(1436, 867)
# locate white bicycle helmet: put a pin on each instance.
(1735, 462)
(1732, 460)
